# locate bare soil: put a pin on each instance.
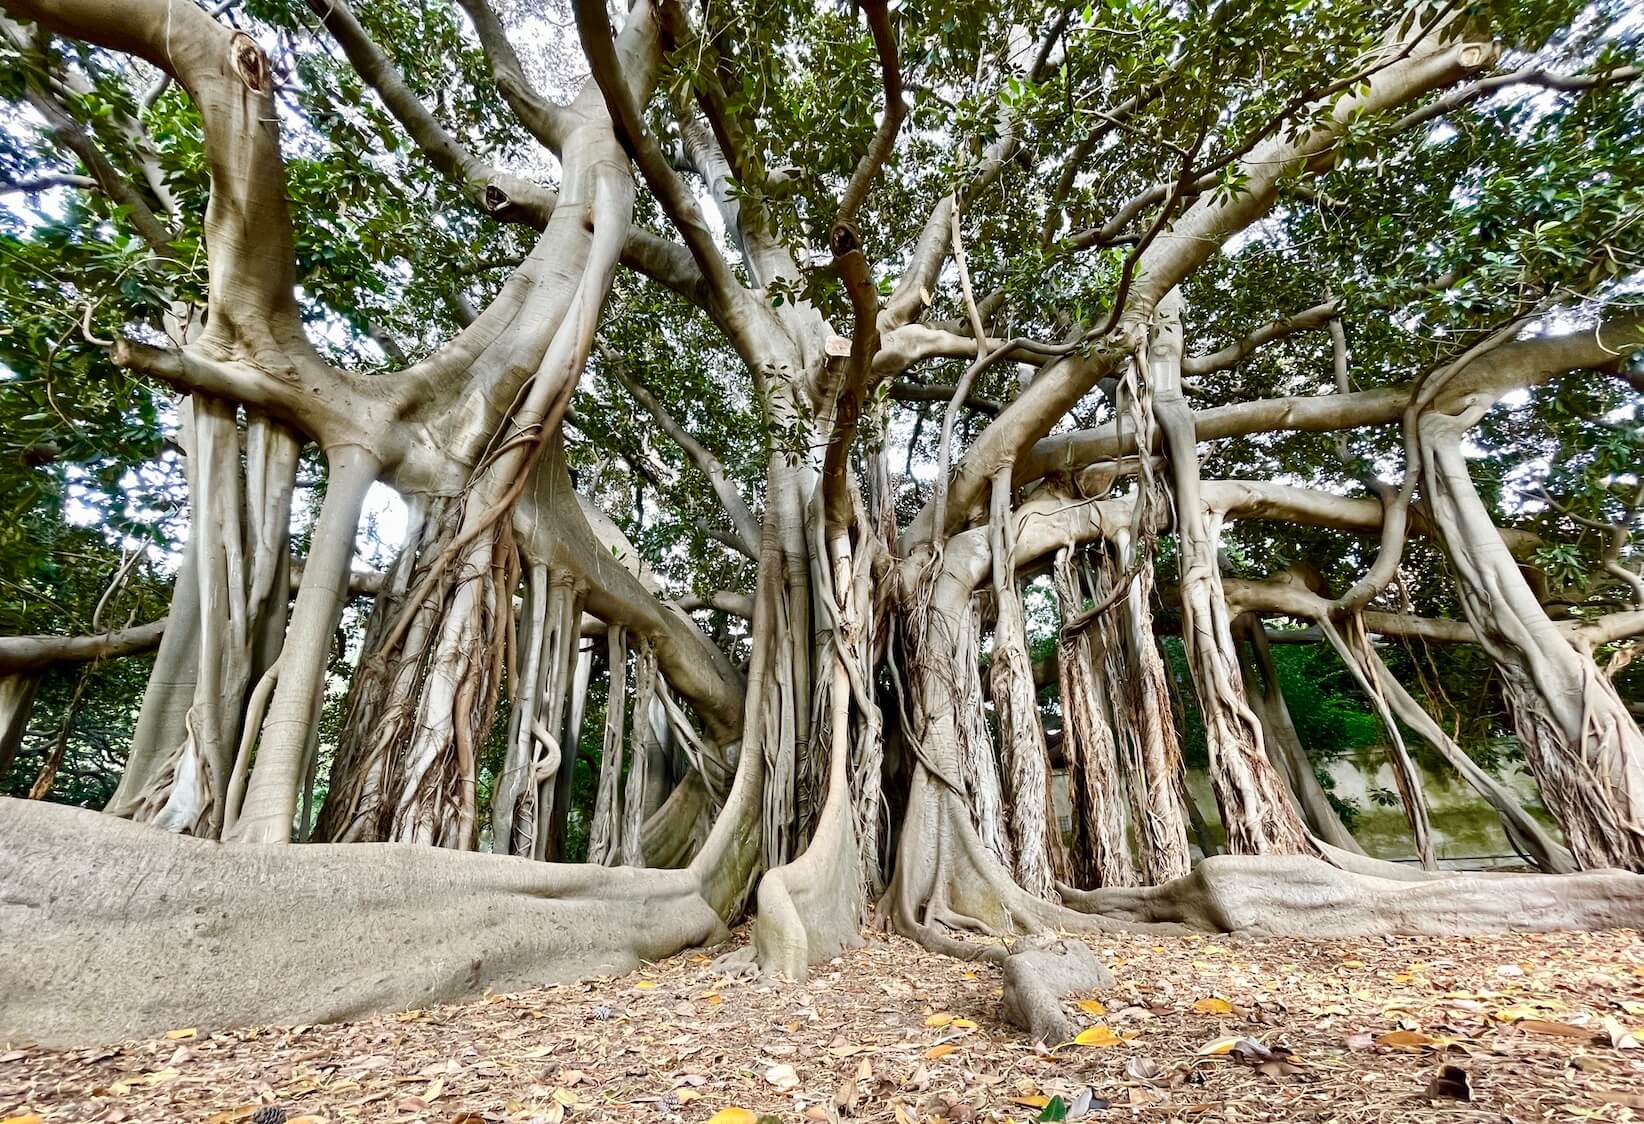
(1536, 1027)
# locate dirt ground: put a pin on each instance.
(1520, 1028)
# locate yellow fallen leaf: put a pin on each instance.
(1033, 1101)
(1632, 1006)
(963, 1024)
(227, 1116)
(940, 1018)
(26, 1118)
(734, 1116)
(1213, 1005)
(1092, 1007)
(564, 1096)
(941, 1051)
(185, 1032)
(1216, 1047)
(435, 1088)
(1408, 1040)
(645, 983)
(1099, 1035)
(1352, 963)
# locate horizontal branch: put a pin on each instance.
(1524, 363)
(1291, 599)
(40, 652)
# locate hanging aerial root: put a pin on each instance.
(160, 931)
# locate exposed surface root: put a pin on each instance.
(1038, 976)
(1294, 895)
(115, 929)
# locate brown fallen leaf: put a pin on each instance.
(227, 1116)
(1629, 1100)
(1559, 1030)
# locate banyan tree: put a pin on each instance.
(841, 435)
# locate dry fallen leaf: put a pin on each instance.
(940, 1018)
(1213, 1005)
(1100, 1035)
(782, 1076)
(1092, 1007)
(734, 1116)
(941, 1051)
(1559, 1030)
(227, 1116)
(185, 1032)
(1411, 1040)
(26, 1118)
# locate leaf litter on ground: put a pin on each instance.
(1521, 1026)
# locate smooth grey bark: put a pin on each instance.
(1584, 747)
(17, 692)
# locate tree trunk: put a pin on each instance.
(16, 705)
(605, 832)
(1585, 749)
(978, 758)
(1100, 853)
(1256, 810)
(641, 742)
(1034, 837)
(276, 780)
(1283, 744)
(1144, 722)
(240, 530)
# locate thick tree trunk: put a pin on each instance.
(276, 780)
(642, 743)
(240, 531)
(1100, 852)
(1144, 722)
(1035, 840)
(1256, 810)
(383, 693)
(978, 758)
(1585, 749)
(605, 832)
